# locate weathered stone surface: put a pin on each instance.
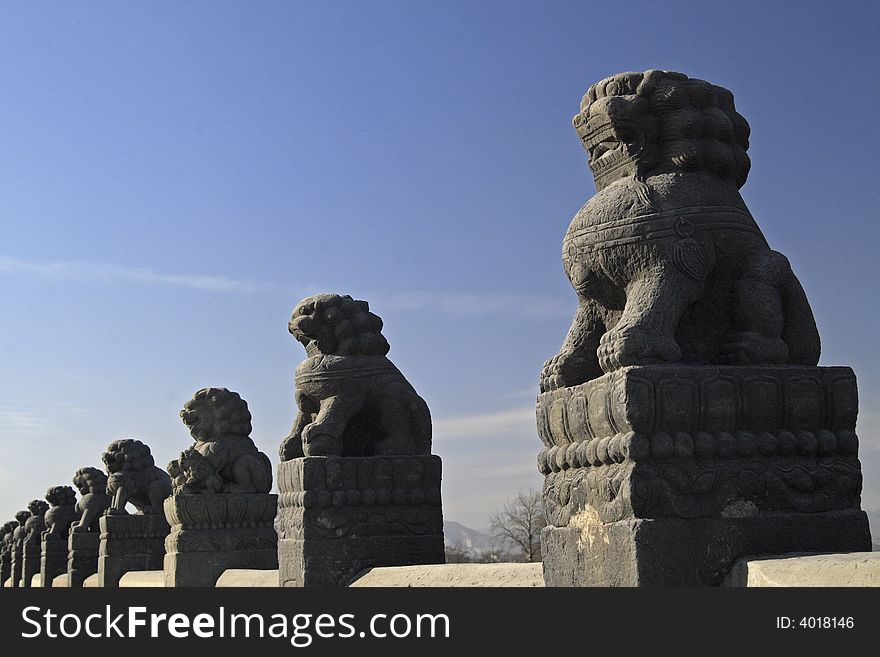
(140, 579)
(854, 569)
(221, 514)
(31, 542)
(85, 534)
(82, 556)
(667, 262)
(341, 515)
(684, 421)
(130, 542)
(454, 575)
(16, 547)
(6, 537)
(224, 459)
(211, 533)
(62, 513)
(351, 400)
(134, 478)
(238, 577)
(669, 474)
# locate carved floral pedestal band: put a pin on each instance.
(130, 542)
(341, 515)
(211, 533)
(53, 560)
(82, 557)
(666, 475)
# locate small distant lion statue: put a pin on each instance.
(351, 400)
(667, 262)
(35, 524)
(62, 513)
(134, 478)
(224, 458)
(94, 500)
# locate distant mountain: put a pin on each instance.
(466, 539)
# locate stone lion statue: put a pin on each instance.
(351, 400)
(19, 533)
(134, 478)
(93, 501)
(35, 524)
(667, 262)
(224, 459)
(62, 513)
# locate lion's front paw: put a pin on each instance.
(566, 369)
(318, 443)
(750, 348)
(621, 347)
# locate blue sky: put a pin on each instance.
(177, 175)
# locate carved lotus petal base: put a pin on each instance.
(82, 558)
(53, 560)
(341, 515)
(666, 475)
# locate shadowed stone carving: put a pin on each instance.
(358, 485)
(6, 535)
(34, 527)
(667, 262)
(132, 542)
(85, 534)
(62, 513)
(16, 549)
(351, 400)
(221, 514)
(684, 420)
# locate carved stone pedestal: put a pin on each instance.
(666, 475)
(341, 515)
(30, 563)
(82, 559)
(130, 542)
(5, 564)
(53, 560)
(211, 533)
(17, 554)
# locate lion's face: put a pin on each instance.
(127, 454)
(61, 496)
(333, 324)
(215, 413)
(38, 507)
(638, 124)
(196, 467)
(90, 480)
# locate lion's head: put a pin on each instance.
(7, 530)
(21, 517)
(215, 413)
(635, 125)
(38, 507)
(90, 480)
(127, 455)
(339, 325)
(61, 496)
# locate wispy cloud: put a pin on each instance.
(36, 416)
(111, 272)
(525, 306)
(18, 420)
(486, 424)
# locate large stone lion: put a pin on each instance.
(94, 500)
(62, 513)
(224, 459)
(351, 400)
(134, 478)
(668, 264)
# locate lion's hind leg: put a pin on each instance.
(576, 361)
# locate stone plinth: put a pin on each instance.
(53, 559)
(17, 554)
(130, 542)
(666, 475)
(211, 533)
(82, 559)
(5, 565)
(30, 563)
(341, 515)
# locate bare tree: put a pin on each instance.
(520, 523)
